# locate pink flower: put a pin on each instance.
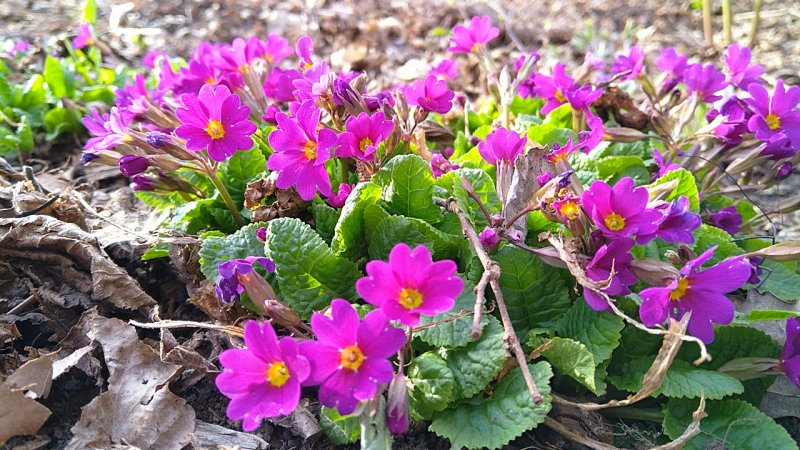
(109, 130)
(471, 38)
(502, 145)
(264, 379)
(610, 261)
(301, 149)
(84, 37)
(776, 114)
(621, 211)
(215, 120)
(700, 292)
(446, 69)
(489, 238)
(704, 82)
(350, 357)
(440, 165)
(363, 133)
(631, 64)
(790, 357)
(410, 284)
(430, 94)
(741, 72)
(338, 200)
(304, 48)
(275, 49)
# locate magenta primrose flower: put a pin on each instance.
(410, 284)
(470, 38)
(672, 62)
(363, 133)
(275, 49)
(678, 223)
(430, 94)
(215, 120)
(704, 82)
(553, 89)
(109, 130)
(614, 257)
(262, 380)
(790, 357)
(85, 37)
(228, 287)
(698, 291)
(631, 64)
(728, 219)
(350, 357)
(621, 211)
(338, 200)
(446, 69)
(502, 145)
(741, 72)
(301, 149)
(441, 165)
(775, 115)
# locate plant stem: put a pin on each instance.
(223, 192)
(754, 25)
(727, 21)
(634, 413)
(709, 33)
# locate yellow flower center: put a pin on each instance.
(307, 65)
(352, 358)
(560, 96)
(680, 291)
(410, 298)
(366, 142)
(310, 150)
(210, 80)
(773, 121)
(570, 210)
(615, 222)
(269, 58)
(278, 374)
(476, 47)
(215, 129)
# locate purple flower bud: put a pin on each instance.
(338, 200)
(728, 219)
(229, 287)
(157, 139)
(784, 170)
(755, 263)
(397, 405)
(269, 115)
(131, 165)
(261, 234)
(440, 165)
(142, 183)
(86, 158)
(544, 178)
(496, 220)
(489, 238)
(344, 93)
(448, 152)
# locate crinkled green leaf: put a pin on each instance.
(60, 81)
(613, 168)
(477, 363)
(493, 422)
(60, 120)
(407, 183)
(731, 424)
(215, 250)
(199, 215)
(707, 236)
(484, 188)
(572, 358)
(737, 342)
(686, 187)
(308, 273)
(781, 280)
(341, 430)
(349, 235)
(373, 216)
(395, 229)
(239, 170)
(534, 292)
(325, 218)
(683, 380)
(431, 386)
(598, 331)
(449, 331)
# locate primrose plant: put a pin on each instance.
(611, 239)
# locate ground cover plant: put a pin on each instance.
(575, 241)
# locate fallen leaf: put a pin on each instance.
(208, 435)
(138, 409)
(19, 415)
(35, 376)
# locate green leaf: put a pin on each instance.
(407, 183)
(493, 422)
(763, 315)
(708, 236)
(60, 81)
(341, 430)
(477, 363)
(534, 292)
(239, 170)
(598, 331)
(199, 215)
(215, 250)
(431, 386)
(159, 250)
(307, 271)
(349, 234)
(453, 328)
(58, 121)
(572, 358)
(683, 380)
(374, 433)
(484, 187)
(738, 342)
(90, 12)
(686, 186)
(780, 280)
(395, 229)
(731, 424)
(325, 218)
(614, 168)
(25, 136)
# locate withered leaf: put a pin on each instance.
(19, 415)
(35, 375)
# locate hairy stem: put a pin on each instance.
(754, 25)
(223, 192)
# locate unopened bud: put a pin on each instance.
(653, 271)
(397, 405)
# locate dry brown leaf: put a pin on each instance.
(8, 333)
(35, 376)
(138, 409)
(19, 415)
(85, 267)
(524, 185)
(207, 435)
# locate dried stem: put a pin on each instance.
(575, 437)
(754, 25)
(493, 269)
(727, 21)
(707, 30)
(480, 298)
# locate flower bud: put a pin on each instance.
(261, 234)
(142, 183)
(131, 165)
(397, 405)
(86, 158)
(489, 238)
(653, 271)
(624, 135)
(269, 115)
